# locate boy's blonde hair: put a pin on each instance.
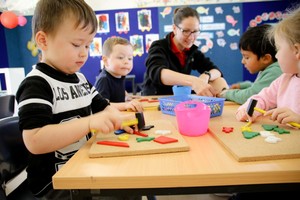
(49, 14)
(289, 27)
(111, 42)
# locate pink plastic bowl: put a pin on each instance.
(192, 118)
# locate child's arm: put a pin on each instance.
(283, 115)
(133, 105)
(128, 97)
(235, 86)
(56, 136)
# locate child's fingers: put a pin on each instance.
(137, 106)
(269, 112)
(128, 129)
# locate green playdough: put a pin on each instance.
(145, 139)
(249, 134)
(269, 127)
(281, 131)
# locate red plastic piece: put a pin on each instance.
(227, 129)
(113, 143)
(165, 140)
(140, 134)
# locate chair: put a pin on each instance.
(13, 161)
(7, 106)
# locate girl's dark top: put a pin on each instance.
(110, 87)
(160, 57)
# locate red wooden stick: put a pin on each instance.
(140, 134)
(113, 143)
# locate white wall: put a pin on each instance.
(125, 4)
(26, 7)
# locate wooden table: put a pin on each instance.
(206, 168)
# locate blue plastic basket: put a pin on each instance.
(167, 104)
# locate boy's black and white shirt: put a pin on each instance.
(47, 96)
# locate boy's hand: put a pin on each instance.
(134, 105)
(235, 86)
(128, 97)
(128, 117)
(222, 94)
(105, 121)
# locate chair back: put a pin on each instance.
(7, 106)
(13, 153)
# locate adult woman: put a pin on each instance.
(170, 60)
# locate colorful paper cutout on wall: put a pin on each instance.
(138, 44)
(149, 39)
(166, 11)
(103, 23)
(144, 20)
(230, 19)
(278, 15)
(122, 22)
(202, 10)
(211, 28)
(96, 47)
(31, 46)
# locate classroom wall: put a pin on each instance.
(15, 51)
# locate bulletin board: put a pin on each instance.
(257, 13)
(15, 52)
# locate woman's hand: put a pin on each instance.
(202, 88)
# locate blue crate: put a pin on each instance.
(167, 104)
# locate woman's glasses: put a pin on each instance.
(188, 33)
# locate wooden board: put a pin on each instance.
(139, 148)
(257, 148)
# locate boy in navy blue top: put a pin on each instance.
(117, 56)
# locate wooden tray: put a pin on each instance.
(140, 148)
(256, 148)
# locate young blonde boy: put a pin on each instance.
(117, 56)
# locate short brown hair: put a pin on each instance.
(111, 42)
(49, 14)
